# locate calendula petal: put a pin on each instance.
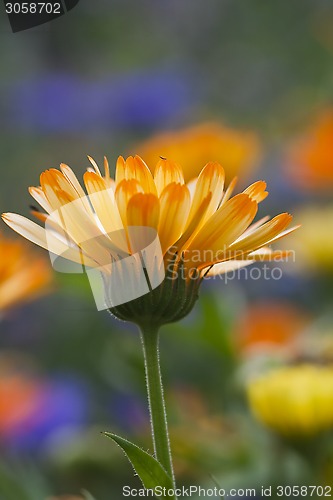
(37, 234)
(145, 175)
(103, 200)
(228, 192)
(124, 192)
(175, 206)
(254, 226)
(120, 170)
(52, 182)
(263, 235)
(257, 191)
(108, 180)
(224, 226)
(228, 266)
(135, 168)
(94, 165)
(167, 172)
(191, 226)
(238, 261)
(210, 180)
(38, 194)
(143, 209)
(71, 177)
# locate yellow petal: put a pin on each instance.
(175, 206)
(228, 266)
(37, 234)
(264, 235)
(224, 227)
(95, 166)
(124, 192)
(143, 210)
(53, 182)
(167, 172)
(191, 227)
(71, 177)
(257, 191)
(261, 255)
(120, 170)
(103, 200)
(135, 168)
(38, 194)
(228, 192)
(210, 180)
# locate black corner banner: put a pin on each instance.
(24, 15)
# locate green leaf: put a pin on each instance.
(216, 484)
(149, 470)
(87, 495)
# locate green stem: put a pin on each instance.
(158, 417)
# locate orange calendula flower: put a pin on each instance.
(239, 152)
(310, 158)
(201, 229)
(23, 275)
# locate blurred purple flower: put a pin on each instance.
(129, 413)
(60, 103)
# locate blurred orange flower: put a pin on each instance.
(237, 151)
(23, 275)
(269, 326)
(310, 157)
(19, 395)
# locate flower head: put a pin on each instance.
(294, 401)
(237, 151)
(23, 275)
(268, 327)
(310, 158)
(200, 227)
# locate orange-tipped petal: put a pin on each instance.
(167, 172)
(175, 206)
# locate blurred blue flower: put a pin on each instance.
(60, 103)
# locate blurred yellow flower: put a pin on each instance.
(23, 275)
(294, 401)
(310, 158)
(237, 151)
(313, 244)
(202, 229)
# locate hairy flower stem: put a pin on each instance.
(158, 417)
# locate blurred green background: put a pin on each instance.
(99, 81)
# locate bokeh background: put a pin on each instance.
(249, 84)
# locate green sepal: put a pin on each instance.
(149, 470)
